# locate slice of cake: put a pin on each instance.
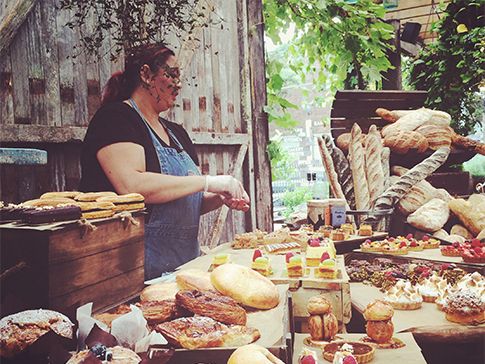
(261, 263)
(219, 259)
(327, 267)
(294, 264)
(315, 250)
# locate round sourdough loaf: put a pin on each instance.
(253, 354)
(159, 292)
(245, 285)
(194, 279)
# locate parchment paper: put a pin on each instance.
(409, 354)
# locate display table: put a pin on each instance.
(428, 322)
(336, 290)
(409, 354)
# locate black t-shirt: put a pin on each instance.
(119, 122)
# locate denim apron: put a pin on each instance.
(172, 228)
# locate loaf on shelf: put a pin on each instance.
(357, 165)
(437, 135)
(408, 122)
(430, 217)
(471, 213)
(330, 169)
(373, 164)
(404, 141)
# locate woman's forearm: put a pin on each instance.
(211, 201)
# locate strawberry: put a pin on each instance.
(413, 243)
(425, 238)
(257, 253)
(308, 359)
(349, 359)
(403, 244)
(288, 256)
(391, 239)
(476, 243)
(314, 242)
(409, 236)
(325, 256)
(478, 250)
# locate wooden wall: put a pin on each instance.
(47, 98)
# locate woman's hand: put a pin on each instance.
(236, 204)
(227, 186)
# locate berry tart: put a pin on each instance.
(362, 353)
(371, 246)
(454, 250)
(400, 248)
(474, 254)
(415, 245)
(429, 242)
(465, 307)
(428, 289)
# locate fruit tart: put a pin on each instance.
(415, 245)
(475, 254)
(403, 296)
(465, 307)
(219, 259)
(362, 353)
(261, 263)
(400, 248)
(453, 250)
(430, 243)
(371, 246)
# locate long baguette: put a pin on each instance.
(467, 143)
(408, 122)
(416, 174)
(330, 168)
(385, 156)
(437, 117)
(342, 168)
(373, 165)
(357, 165)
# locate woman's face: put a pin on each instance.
(165, 84)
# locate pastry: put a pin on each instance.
(12, 212)
(437, 135)
(61, 194)
(281, 248)
(430, 217)
(203, 332)
(128, 202)
(415, 245)
(102, 354)
(108, 317)
(294, 265)
(248, 240)
(363, 353)
(408, 122)
(371, 246)
(315, 326)
(194, 279)
(277, 237)
(219, 259)
(428, 289)
(380, 331)
(261, 263)
(465, 307)
(403, 142)
(307, 356)
(327, 161)
(444, 292)
(378, 310)
(315, 250)
(253, 354)
(96, 210)
(348, 229)
(403, 296)
(212, 304)
(20, 330)
(49, 214)
(318, 305)
(472, 215)
(247, 287)
(52, 202)
(156, 312)
(474, 252)
(357, 166)
(461, 230)
(472, 281)
(337, 235)
(93, 196)
(342, 168)
(159, 292)
(454, 250)
(398, 248)
(430, 243)
(416, 174)
(365, 230)
(327, 268)
(330, 326)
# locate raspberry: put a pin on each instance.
(455, 244)
(325, 256)
(257, 253)
(314, 242)
(349, 359)
(308, 359)
(425, 238)
(402, 245)
(413, 244)
(478, 250)
(476, 243)
(367, 241)
(288, 256)
(409, 236)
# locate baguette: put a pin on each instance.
(415, 175)
(437, 135)
(357, 165)
(373, 164)
(437, 117)
(330, 169)
(466, 143)
(344, 173)
(385, 156)
(408, 122)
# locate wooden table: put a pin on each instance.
(427, 323)
(335, 290)
(409, 354)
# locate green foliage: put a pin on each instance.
(332, 40)
(282, 163)
(476, 166)
(294, 198)
(453, 68)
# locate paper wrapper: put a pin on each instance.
(130, 328)
(86, 323)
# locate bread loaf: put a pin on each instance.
(357, 165)
(245, 285)
(344, 173)
(330, 169)
(343, 141)
(461, 230)
(467, 143)
(437, 135)
(437, 117)
(385, 156)
(430, 217)
(253, 354)
(408, 122)
(417, 196)
(194, 279)
(441, 234)
(402, 142)
(471, 213)
(373, 164)
(415, 175)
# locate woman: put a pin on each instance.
(129, 148)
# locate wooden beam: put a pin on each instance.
(41, 133)
(393, 78)
(216, 233)
(209, 138)
(12, 22)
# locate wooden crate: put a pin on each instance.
(63, 266)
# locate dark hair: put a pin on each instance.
(121, 85)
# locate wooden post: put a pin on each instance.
(393, 78)
(262, 169)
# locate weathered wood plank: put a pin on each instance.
(219, 138)
(41, 133)
(223, 52)
(208, 92)
(215, 47)
(12, 21)
(80, 83)
(6, 92)
(234, 69)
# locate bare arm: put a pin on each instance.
(124, 165)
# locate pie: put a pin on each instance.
(364, 353)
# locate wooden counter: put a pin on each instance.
(409, 354)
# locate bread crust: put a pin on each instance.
(159, 292)
(318, 305)
(93, 196)
(60, 194)
(430, 217)
(315, 326)
(474, 319)
(330, 326)
(246, 286)
(408, 122)
(357, 165)
(373, 164)
(194, 279)
(402, 142)
(253, 354)
(330, 169)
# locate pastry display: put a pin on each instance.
(282, 248)
(204, 332)
(322, 323)
(212, 304)
(246, 286)
(327, 268)
(114, 355)
(403, 296)
(20, 330)
(254, 354)
(261, 263)
(219, 259)
(465, 307)
(294, 265)
(365, 230)
(362, 352)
